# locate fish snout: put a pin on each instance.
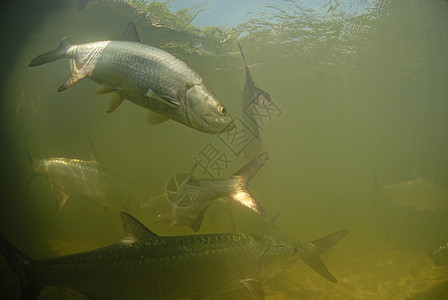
(219, 124)
(230, 126)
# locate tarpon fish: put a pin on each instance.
(190, 198)
(251, 93)
(147, 266)
(440, 255)
(419, 194)
(146, 76)
(252, 96)
(84, 179)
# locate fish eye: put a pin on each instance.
(222, 110)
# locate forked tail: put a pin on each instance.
(53, 55)
(22, 266)
(240, 192)
(315, 248)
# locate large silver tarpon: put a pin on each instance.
(146, 76)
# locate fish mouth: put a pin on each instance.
(219, 124)
(230, 126)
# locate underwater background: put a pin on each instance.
(360, 104)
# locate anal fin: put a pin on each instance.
(156, 118)
(61, 198)
(115, 101)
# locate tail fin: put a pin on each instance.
(315, 248)
(53, 55)
(241, 192)
(31, 158)
(21, 265)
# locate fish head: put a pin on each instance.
(204, 112)
(278, 256)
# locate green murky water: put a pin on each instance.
(360, 91)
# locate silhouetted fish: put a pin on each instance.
(146, 266)
(419, 194)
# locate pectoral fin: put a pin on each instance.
(115, 101)
(155, 118)
(164, 99)
(255, 288)
(61, 197)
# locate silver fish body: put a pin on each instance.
(146, 76)
(146, 266)
(189, 198)
(87, 179)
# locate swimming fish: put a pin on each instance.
(84, 179)
(419, 194)
(252, 97)
(144, 265)
(251, 93)
(440, 255)
(146, 76)
(190, 197)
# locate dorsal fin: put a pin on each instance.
(134, 230)
(130, 34)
